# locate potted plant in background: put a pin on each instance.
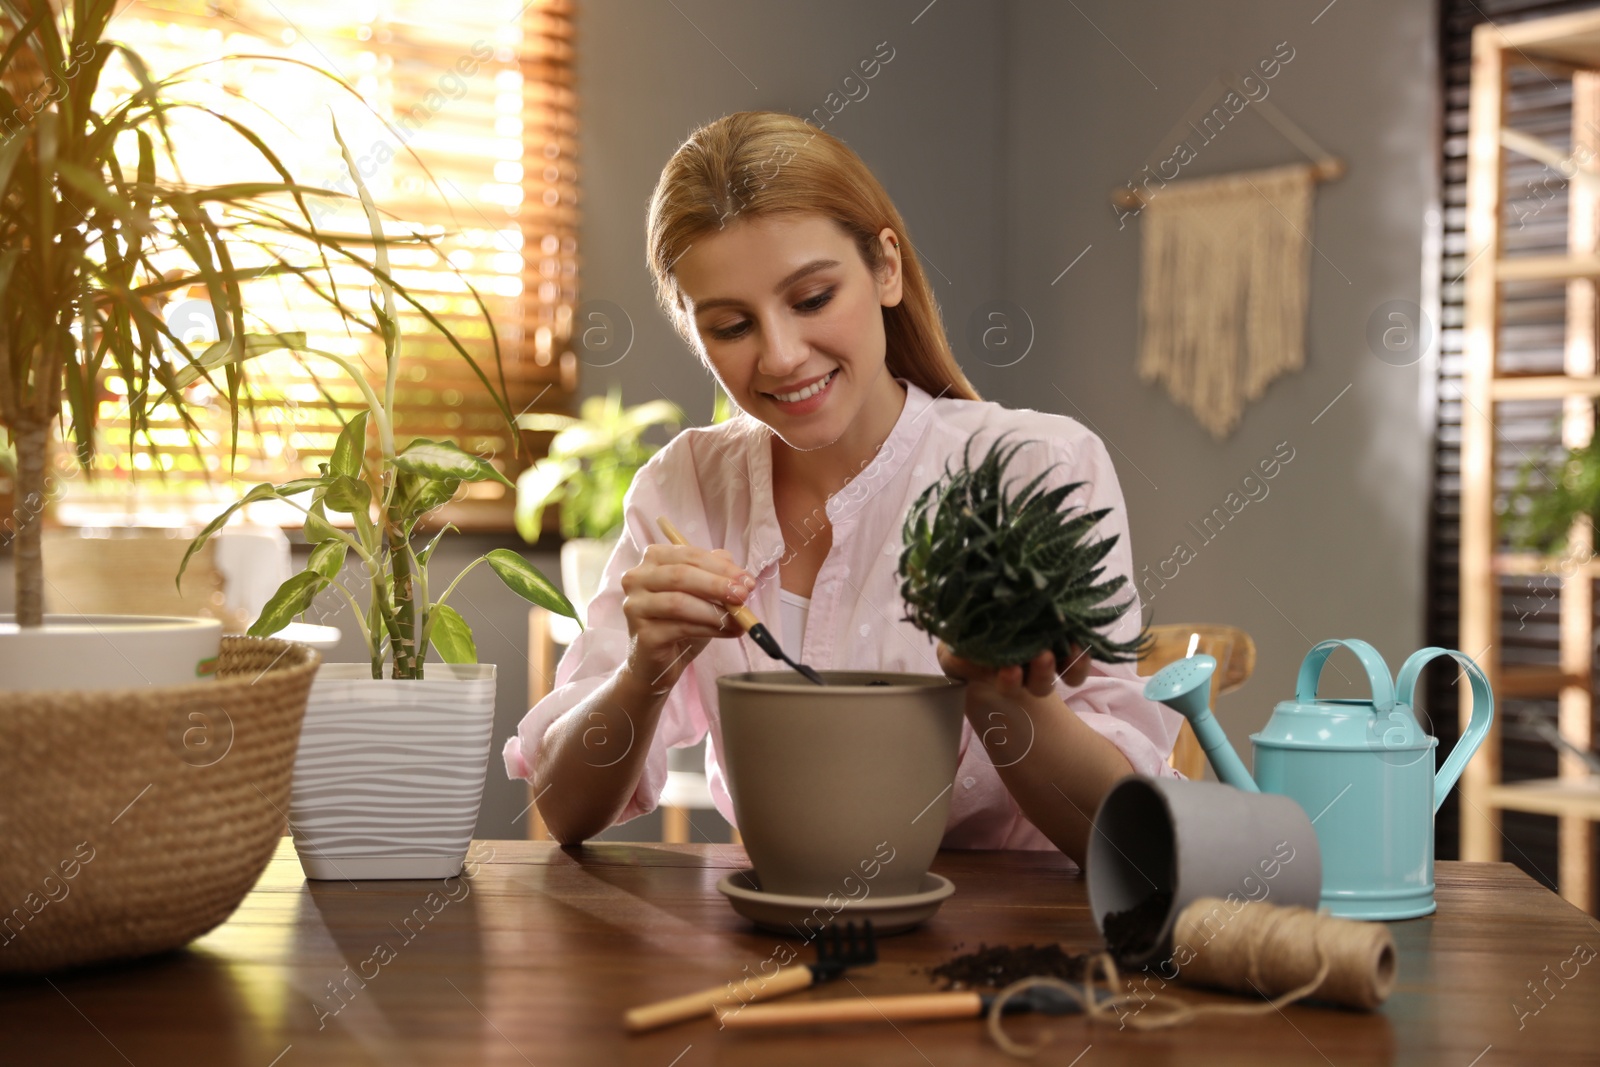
(1538, 513)
(95, 236)
(390, 771)
(91, 239)
(592, 460)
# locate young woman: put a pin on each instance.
(785, 267)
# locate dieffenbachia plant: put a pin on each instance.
(384, 497)
(1000, 578)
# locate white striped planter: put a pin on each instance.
(390, 774)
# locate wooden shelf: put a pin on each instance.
(1546, 268)
(1532, 564)
(1536, 682)
(1573, 39)
(1564, 46)
(1543, 387)
(1550, 796)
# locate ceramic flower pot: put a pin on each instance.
(389, 775)
(842, 788)
(94, 652)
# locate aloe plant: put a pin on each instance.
(384, 497)
(999, 577)
(590, 464)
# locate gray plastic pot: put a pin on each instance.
(1193, 840)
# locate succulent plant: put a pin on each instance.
(1000, 578)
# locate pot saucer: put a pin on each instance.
(783, 914)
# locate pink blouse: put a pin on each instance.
(715, 484)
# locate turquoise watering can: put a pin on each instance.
(1363, 770)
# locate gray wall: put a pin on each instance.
(1337, 547)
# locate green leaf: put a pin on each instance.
(422, 557)
(451, 636)
(545, 420)
(292, 598)
(417, 495)
(317, 528)
(327, 559)
(300, 485)
(11, 148)
(650, 413)
(224, 353)
(1000, 574)
(351, 448)
(442, 460)
(434, 494)
(538, 487)
(260, 492)
(525, 580)
(347, 494)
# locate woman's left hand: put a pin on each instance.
(1040, 674)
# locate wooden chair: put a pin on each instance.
(541, 677)
(1235, 654)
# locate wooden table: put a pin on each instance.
(533, 958)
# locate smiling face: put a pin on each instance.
(783, 303)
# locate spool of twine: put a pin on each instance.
(1283, 954)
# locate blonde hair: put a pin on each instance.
(761, 163)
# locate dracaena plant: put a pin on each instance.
(384, 496)
(93, 238)
(1001, 577)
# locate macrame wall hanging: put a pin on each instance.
(1226, 280)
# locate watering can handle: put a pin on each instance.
(1477, 726)
(1305, 690)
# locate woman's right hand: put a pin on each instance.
(675, 602)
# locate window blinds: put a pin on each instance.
(476, 150)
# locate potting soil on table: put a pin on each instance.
(999, 965)
(1132, 932)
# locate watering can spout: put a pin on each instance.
(1185, 687)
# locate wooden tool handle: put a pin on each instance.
(671, 531)
(741, 614)
(857, 1009)
(706, 1001)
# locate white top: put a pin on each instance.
(794, 609)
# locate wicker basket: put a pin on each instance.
(134, 821)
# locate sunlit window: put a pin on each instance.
(462, 124)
